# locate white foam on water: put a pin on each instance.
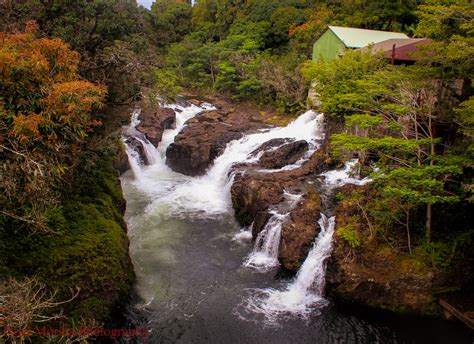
(244, 235)
(208, 196)
(343, 176)
(305, 294)
(265, 253)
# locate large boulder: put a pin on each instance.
(270, 144)
(286, 154)
(205, 137)
(252, 195)
(155, 120)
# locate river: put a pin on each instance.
(197, 277)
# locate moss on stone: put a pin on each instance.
(88, 248)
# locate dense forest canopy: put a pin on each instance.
(411, 127)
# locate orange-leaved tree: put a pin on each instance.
(45, 115)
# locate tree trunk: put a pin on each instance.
(429, 209)
(408, 230)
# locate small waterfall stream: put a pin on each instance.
(305, 294)
(265, 252)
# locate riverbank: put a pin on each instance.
(83, 259)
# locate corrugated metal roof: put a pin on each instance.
(403, 48)
(358, 38)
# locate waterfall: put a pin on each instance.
(305, 294)
(208, 196)
(306, 291)
(158, 180)
(172, 194)
(311, 276)
(265, 252)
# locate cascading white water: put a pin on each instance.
(311, 275)
(265, 252)
(157, 179)
(306, 293)
(150, 151)
(335, 178)
(208, 196)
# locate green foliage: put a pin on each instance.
(378, 15)
(338, 81)
(451, 25)
(227, 80)
(443, 19)
(165, 85)
(350, 235)
(171, 20)
(452, 249)
(364, 121)
(116, 38)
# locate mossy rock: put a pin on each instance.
(88, 248)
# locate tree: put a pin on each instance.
(45, 112)
(392, 116)
(171, 20)
(115, 38)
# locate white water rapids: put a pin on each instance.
(174, 195)
(265, 252)
(305, 294)
(208, 196)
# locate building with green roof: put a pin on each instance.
(337, 39)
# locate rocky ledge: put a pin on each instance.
(155, 120)
(205, 137)
(255, 194)
(377, 275)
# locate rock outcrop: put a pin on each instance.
(121, 163)
(137, 146)
(205, 137)
(287, 154)
(254, 194)
(299, 232)
(378, 280)
(155, 120)
(378, 275)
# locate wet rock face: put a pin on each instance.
(299, 232)
(205, 137)
(255, 194)
(153, 121)
(252, 196)
(121, 163)
(284, 155)
(273, 143)
(361, 282)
